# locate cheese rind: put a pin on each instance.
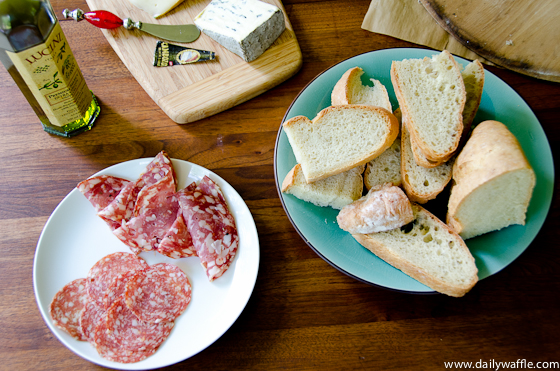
(156, 8)
(244, 27)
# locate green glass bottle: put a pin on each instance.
(36, 54)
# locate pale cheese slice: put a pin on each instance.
(156, 8)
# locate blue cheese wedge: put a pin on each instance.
(244, 27)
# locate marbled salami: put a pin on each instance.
(104, 271)
(91, 316)
(211, 225)
(67, 306)
(159, 294)
(177, 242)
(102, 190)
(116, 289)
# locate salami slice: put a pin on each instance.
(116, 289)
(177, 242)
(102, 190)
(161, 293)
(108, 346)
(211, 225)
(91, 316)
(67, 306)
(103, 272)
(123, 207)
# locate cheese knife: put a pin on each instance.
(185, 33)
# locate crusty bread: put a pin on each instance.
(428, 251)
(431, 95)
(421, 183)
(335, 191)
(340, 138)
(383, 208)
(473, 78)
(493, 182)
(386, 168)
(350, 90)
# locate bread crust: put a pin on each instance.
(392, 131)
(385, 207)
(420, 273)
(491, 151)
(428, 152)
(413, 193)
(342, 91)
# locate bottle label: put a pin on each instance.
(53, 75)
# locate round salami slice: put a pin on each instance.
(103, 273)
(116, 289)
(161, 293)
(91, 316)
(67, 306)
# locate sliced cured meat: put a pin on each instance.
(108, 346)
(123, 207)
(102, 190)
(177, 242)
(67, 305)
(120, 209)
(91, 316)
(211, 225)
(103, 272)
(116, 289)
(155, 209)
(159, 294)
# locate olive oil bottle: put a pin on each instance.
(36, 54)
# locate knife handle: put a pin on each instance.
(98, 18)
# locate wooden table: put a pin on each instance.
(303, 313)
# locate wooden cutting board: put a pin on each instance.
(522, 35)
(194, 91)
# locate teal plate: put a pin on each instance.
(492, 251)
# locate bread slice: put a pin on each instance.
(350, 90)
(428, 251)
(384, 208)
(335, 191)
(420, 183)
(473, 78)
(386, 168)
(431, 95)
(340, 138)
(493, 182)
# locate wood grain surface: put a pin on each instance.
(303, 313)
(518, 35)
(190, 93)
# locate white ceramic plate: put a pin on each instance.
(74, 238)
(492, 251)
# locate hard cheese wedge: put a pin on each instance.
(244, 27)
(156, 8)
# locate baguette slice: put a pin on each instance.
(384, 208)
(420, 183)
(350, 90)
(340, 138)
(473, 78)
(386, 168)
(431, 95)
(335, 191)
(428, 251)
(493, 184)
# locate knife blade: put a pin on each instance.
(184, 33)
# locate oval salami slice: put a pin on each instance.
(67, 306)
(103, 272)
(91, 316)
(177, 242)
(211, 225)
(160, 293)
(102, 190)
